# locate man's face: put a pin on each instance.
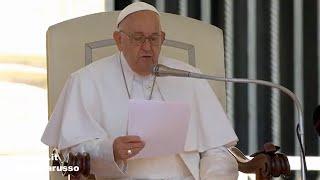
(140, 39)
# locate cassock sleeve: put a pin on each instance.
(102, 161)
(72, 126)
(218, 163)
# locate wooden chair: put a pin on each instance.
(77, 42)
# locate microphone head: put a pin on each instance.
(155, 69)
(162, 70)
(316, 119)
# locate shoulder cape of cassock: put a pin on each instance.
(94, 104)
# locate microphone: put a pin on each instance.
(162, 70)
(316, 119)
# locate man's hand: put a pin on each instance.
(124, 144)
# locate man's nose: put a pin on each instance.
(146, 45)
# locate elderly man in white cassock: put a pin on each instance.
(92, 111)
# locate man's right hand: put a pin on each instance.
(122, 145)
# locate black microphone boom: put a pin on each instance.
(316, 120)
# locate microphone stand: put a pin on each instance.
(160, 70)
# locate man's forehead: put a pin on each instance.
(139, 33)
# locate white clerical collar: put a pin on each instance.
(130, 75)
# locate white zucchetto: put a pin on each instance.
(135, 7)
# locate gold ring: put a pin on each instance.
(129, 152)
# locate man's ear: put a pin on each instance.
(163, 37)
(117, 39)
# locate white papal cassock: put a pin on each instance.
(92, 111)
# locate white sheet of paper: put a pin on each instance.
(162, 125)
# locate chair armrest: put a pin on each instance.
(265, 164)
(75, 164)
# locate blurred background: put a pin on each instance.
(271, 40)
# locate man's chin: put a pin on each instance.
(143, 73)
(145, 70)
(143, 59)
(146, 64)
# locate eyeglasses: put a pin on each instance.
(138, 39)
